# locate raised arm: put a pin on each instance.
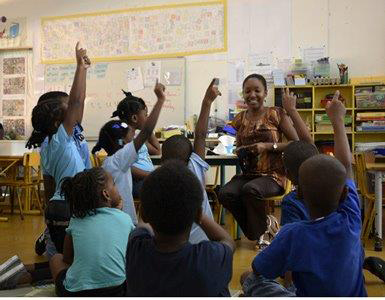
(201, 128)
(288, 103)
(153, 145)
(215, 232)
(336, 112)
(77, 96)
(149, 126)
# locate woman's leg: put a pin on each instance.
(230, 197)
(252, 194)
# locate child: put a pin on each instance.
(179, 147)
(93, 260)
(1, 132)
(135, 116)
(61, 99)
(114, 138)
(60, 157)
(160, 260)
(331, 263)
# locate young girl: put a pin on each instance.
(114, 138)
(135, 116)
(60, 158)
(93, 260)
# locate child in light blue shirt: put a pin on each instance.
(115, 137)
(55, 120)
(135, 115)
(93, 260)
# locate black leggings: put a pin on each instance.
(57, 217)
(243, 196)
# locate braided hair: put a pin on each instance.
(84, 191)
(53, 95)
(111, 137)
(46, 118)
(128, 107)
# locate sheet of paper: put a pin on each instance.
(236, 71)
(172, 76)
(134, 79)
(151, 72)
(313, 54)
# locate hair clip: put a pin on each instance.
(124, 125)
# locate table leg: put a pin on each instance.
(378, 205)
(223, 180)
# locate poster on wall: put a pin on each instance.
(148, 32)
(13, 32)
(13, 96)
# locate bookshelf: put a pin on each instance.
(310, 108)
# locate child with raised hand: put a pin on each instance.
(115, 138)
(160, 260)
(133, 111)
(179, 147)
(93, 260)
(324, 254)
(60, 157)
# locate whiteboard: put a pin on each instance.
(105, 82)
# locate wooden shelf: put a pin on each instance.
(318, 92)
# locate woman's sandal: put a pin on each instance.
(271, 231)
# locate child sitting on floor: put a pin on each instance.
(160, 259)
(179, 147)
(324, 254)
(93, 260)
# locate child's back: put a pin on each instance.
(165, 263)
(100, 242)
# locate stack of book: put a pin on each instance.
(323, 124)
(371, 121)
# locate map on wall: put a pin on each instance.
(159, 31)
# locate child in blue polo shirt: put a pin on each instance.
(324, 254)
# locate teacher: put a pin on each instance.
(259, 148)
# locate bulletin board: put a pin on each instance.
(138, 33)
(105, 81)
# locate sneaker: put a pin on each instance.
(40, 245)
(9, 264)
(11, 274)
(271, 231)
(376, 266)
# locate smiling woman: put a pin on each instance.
(259, 147)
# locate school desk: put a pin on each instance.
(378, 169)
(213, 160)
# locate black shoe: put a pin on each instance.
(40, 245)
(376, 266)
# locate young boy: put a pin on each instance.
(324, 254)
(180, 148)
(160, 260)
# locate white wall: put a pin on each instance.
(353, 32)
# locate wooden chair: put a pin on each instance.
(27, 185)
(210, 190)
(271, 201)
(369, 198)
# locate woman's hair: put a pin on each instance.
(256, 76)
(111, 137)
(84, 191)
(128, 107)
(45, 116)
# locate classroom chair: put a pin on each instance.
(271, 201)
(368, 198)
(26, 187)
